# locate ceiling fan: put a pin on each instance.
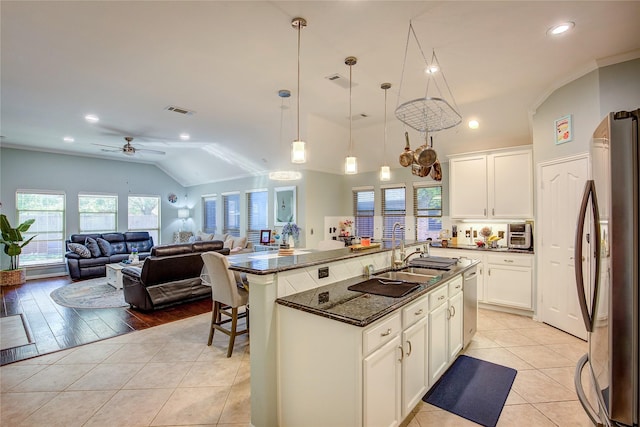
(128, 149)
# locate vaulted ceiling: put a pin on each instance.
(127, 61)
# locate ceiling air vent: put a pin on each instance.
(341, 81)
(180, 110)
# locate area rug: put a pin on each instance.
(13, 332)
(473, 389)
(92, 293)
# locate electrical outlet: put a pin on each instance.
(467, 234)
(323, 272)
(501, 234)
(475, 233)
(323, 297)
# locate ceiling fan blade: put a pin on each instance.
(111, 151)
(110, 146)
(146, 150)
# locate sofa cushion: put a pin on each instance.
(175, 249)
(82, 238)
(204, 236)
(213, 245)
(239, 242)
(228, 243)
(118, 245)
(79, 249)
(104, 245)
(93, 247)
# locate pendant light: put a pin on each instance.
(385, 170)
(350, 163)
(284, 175)
(298, 151)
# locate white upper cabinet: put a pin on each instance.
(492, 186)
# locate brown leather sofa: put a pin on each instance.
(170, 275)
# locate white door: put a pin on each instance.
(382, 386)
(415, 372)
(438, 348)
(455, 325)
(561, 185)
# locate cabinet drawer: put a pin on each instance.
(455, 286)
(509, 259)
(381, 333)
(415, 311)
(438, 297)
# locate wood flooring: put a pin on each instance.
(53, 327)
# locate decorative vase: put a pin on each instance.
(13, 277)
(291, 241)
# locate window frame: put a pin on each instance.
(398, 216)
(37, 231)
(153, 232)
(253, 231)
(225, 214)
(417, 209)
(113, 213)
(364, 222)
(209, 198)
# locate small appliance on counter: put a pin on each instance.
(519, 236)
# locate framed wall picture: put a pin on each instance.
(564, 129)
(265, 237)
(284, 205)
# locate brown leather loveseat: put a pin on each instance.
(171, 274)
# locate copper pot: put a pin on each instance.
(406, 158)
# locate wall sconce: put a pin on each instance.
(183, 214)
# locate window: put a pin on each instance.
(393, 210)
(98, 213)
(209, 204)
(427, 209)
(363, 206)
(48, 211)
(231, 219)
(144, 215)
(257, 216)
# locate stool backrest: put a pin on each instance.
(222, 280)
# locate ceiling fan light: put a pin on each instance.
(350, 165)
(298, 152)
(385, 173)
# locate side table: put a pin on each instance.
(114, 275)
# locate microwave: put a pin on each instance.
(519, 236)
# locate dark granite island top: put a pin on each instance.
(361, 309)
(269, 262)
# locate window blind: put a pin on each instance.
(144, 215)
(48, 210)
(231, 217)
(363, 210)
(97, 213)
(209, 205)
(257, 215)
(393, 210)
(427, 210)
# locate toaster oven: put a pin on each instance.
(519, 236)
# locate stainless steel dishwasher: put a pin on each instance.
(470, 317)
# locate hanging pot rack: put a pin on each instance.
(429, 113)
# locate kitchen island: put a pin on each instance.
(281, 344)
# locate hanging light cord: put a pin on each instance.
(350, 116)
(384, 149)
(298, 107)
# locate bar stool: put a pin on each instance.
(228, 292)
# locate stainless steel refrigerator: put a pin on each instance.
(607, 239)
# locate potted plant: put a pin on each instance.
(13, 244)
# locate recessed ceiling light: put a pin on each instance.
(431, 69)
(473, 124)
(91, 118)
(560, 28)
(68, 139)
(185, 136)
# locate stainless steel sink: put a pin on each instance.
(429, 272)
(406, 276)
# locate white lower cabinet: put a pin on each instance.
(445, 327)
(509, 280)
(382, 385)
(415, 369)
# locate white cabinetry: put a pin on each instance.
(382, 385)
(509, 280)
(492, 186)
(415, 366)
(445, 327)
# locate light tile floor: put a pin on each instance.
(167, 376)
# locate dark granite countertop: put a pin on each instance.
(361, 309)
(269, 262)
(484, 249)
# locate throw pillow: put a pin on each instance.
(240, 242)
(228, 244)
(79, 249)
(92, 245)
(105, 246)
(221, 237)
(205, 236)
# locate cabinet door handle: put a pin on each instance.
(485, 212)
(441, 297)
(409, 353)
(418, 313)
(458, 287)
(401, 353)
(448, 313)
(384, 334)
(493, 211)
(508, 260)
(454, 311)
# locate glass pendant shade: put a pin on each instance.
(385, 173)
(298, 152)
(350, 165)
(285, 175)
